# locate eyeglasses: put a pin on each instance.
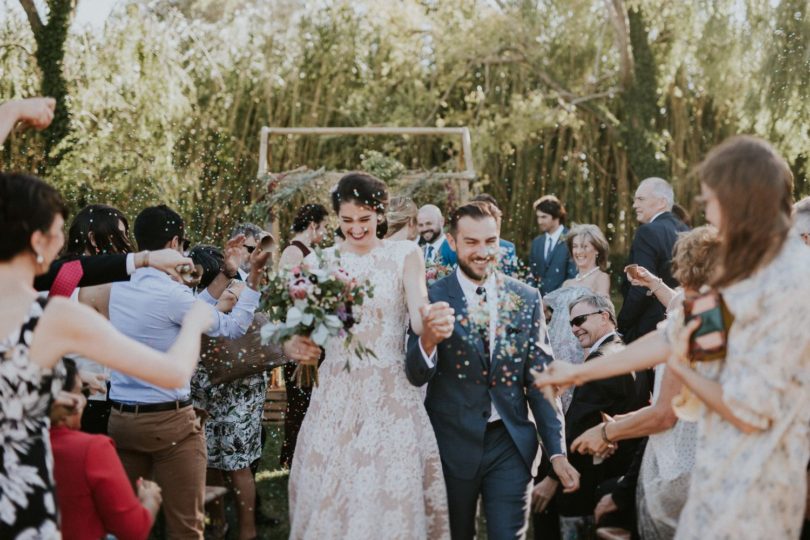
(579, 319)
(250, 248)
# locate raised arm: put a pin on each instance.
(416, 294)
(36, 112)
(68, 327)
(643, 353)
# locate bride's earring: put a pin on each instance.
(40, 258)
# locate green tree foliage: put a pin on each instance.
(582, 98)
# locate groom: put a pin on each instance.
(480, 385)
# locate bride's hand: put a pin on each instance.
(303, 350)
(438, 320)
(558, 375)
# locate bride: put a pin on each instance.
(366, 462)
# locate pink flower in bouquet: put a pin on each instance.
(300, 289)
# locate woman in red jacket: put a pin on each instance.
(94, 494)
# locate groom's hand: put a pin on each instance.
(568, 475)
(437, 325)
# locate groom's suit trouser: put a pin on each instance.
(503, 481)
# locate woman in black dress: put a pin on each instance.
(309, 229)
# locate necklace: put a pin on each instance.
(588, 273)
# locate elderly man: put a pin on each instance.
(429, 222)
(593, 322)
(652, 249)
(801, 219)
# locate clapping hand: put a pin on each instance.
(232, 255)
(171, 262)
(640, 276)
(96, 382)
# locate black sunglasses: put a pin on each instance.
(250, 248)
(579, 319)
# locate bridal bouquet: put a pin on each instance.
(315, 300)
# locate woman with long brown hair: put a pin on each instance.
(749, 479)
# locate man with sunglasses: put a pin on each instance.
(593, 322)
(253, 234)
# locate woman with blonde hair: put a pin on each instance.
(401, 216)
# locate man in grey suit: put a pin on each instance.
(480, 385)
(550, 262)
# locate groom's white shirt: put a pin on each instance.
(469, 287)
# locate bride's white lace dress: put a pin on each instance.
(366, 463)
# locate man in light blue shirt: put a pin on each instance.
(156, 430)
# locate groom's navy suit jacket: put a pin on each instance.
(462, 385)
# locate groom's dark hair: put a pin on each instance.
(476, 210)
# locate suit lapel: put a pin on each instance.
(459, 303)
(560, 243)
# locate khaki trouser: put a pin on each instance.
(169, 447)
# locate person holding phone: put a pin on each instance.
(749, 479)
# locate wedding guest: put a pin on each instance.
(593, 320)
(801, 219)
(550, 261)
(157, 431)
(430, 223)
(589, 249)
(234, 419)
(36, 112)
(96, 229)
(752, 450)
(309, 226)
(652, 249)
(94, 494)
(402, 219)
(253, 234)
(669, 456)
(32, 217)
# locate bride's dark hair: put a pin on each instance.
(365, 190)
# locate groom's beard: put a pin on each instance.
(473, 274)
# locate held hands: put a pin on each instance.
(568, 475)
(303, 350)
(438, 320)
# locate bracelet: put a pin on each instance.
(604, 434)
(651, 292)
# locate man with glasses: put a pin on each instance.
(253, 235)
(593, 322)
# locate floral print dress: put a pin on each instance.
(753, 485)
(27, 501)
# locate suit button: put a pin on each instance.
(485, 414)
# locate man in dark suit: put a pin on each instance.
(480, 384)
(549, 260)
(651, 249)
(593, 321)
